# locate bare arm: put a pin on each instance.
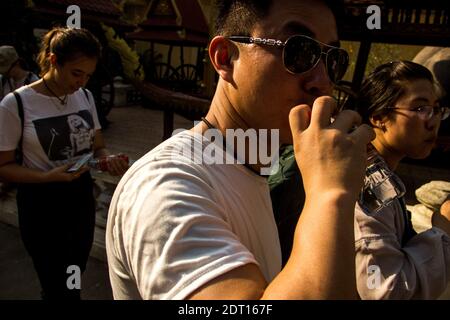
(321, 265)
(322, 262)
(99, 145)
(442, 219)
(116, 167)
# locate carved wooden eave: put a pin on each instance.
(175, 22)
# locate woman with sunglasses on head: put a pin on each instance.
(400, 100)
(56, 206)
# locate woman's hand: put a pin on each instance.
(117, 166)
(60, 174)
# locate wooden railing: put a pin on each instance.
(424, 22)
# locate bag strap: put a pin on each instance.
(22, 124)
(87, 95)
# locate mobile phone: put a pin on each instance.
(81, 162)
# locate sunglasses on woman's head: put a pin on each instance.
(302, 53)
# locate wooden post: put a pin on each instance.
(181, 55)
(168, 124)
(361, 63)
(169, 59)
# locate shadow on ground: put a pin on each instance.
(18, 280)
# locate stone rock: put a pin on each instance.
(433, 194)
(420, 217)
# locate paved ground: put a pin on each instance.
(18, 280)
(136, 130)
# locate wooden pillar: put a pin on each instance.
(168, 114)
(181, 55)
(169, 59)
(361, 63)
(199, 62)
(168, 124)
(152, 51)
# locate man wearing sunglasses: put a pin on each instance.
(183, 230)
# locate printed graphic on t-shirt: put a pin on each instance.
(65, 137)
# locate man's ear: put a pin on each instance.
(221, 52)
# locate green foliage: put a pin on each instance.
(380, 53)
(130, 59)
(383, 53)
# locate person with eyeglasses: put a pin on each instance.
(179, 228)
(400, 100)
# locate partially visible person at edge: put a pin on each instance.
(400, 100)
(13, 71)
(178, 229)
(56, 208)
(13, 75)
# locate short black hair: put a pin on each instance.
(238, 17)
(386, 84)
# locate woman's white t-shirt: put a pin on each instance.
(53, 134)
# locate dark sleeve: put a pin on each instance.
(288, 198)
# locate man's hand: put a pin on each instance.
(330, 157)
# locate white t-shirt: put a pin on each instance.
(53, 134)
(174, 225)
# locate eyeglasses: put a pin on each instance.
(302, 53)
(427, 112)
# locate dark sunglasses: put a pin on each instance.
(302, 53)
